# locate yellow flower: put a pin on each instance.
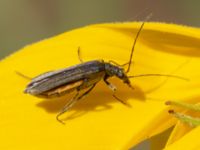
(99, 121)
(181, 138)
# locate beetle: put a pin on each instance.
(76, 78)
(79, 77)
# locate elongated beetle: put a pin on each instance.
(82, 76)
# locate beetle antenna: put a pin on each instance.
(134, 43)
(164, 75)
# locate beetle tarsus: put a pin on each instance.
(121, 101)
(57, 118)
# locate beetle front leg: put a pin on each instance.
(113, 88)
(110, 85)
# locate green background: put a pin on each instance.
(27, 21)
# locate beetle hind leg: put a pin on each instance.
(23, 76)
(67, 106)
(73, 101)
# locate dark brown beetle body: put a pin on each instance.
(78, 77)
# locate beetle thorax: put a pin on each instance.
(112, 70)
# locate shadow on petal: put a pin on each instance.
(170, 42)
(98, 100)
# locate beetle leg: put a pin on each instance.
(87, 92)
(115, 63)
(23, 76)
(66, 107)
(126, 64)
(110, 85)
(113, 88)
(79, 55)
(117, 98)
(72, 102)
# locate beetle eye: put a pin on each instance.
(120, 73)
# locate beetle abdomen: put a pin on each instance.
(52, 80)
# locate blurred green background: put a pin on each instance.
(27, 21)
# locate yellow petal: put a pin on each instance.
(99, 121)
(189, 141)
(180, 130)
